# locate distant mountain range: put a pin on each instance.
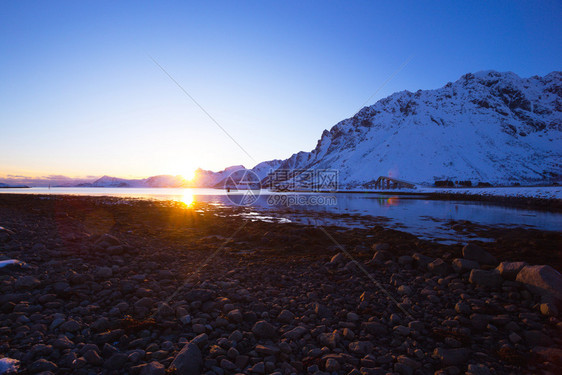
(6, 186)
(485, 127)
(155, 181)
(202, 178)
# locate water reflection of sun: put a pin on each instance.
(187, 198)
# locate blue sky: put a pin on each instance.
(80, 96)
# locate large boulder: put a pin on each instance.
(202, 295)
(464, 265)
(189, 360)
(405, 260)
(264, 329)
(42, 365)
(439, 267)
(103, 273)
(490, 279)
(27, 282)
(381, 256)
(374, 328)
(5, 234)
(330, 339)
(339, 258)
(10, 265)
(107, 240)
(152, 368)
(286, 316)
(380, 246)
(549, 309)
(509, 270)
(478, 254)
(542, 280)
(361, 347)
(321, 310)
(295, 333)
(421, 260)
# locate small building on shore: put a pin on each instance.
(387, 183)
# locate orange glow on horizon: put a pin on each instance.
(188, 175)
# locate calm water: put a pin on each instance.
(426, 218)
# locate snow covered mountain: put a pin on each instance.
(107, 181)
(486, 127)
(203, 178)
(5, 186)
(165, 181)
(234, 174)
(266, 167)
(154, 181)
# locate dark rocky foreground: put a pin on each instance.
(116, 287)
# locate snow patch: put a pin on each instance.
(8, 262)
(541, 192)
(9, 366)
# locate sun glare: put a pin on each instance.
(188, 198)
(188, 175)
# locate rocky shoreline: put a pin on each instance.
(527, 202)
(554, 205)
(116, 286)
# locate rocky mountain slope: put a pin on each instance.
(488, 126)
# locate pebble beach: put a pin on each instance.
(97, 285)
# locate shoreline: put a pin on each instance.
(116, 285)
(494, 234)
(545, 204)
(554, 205)
(527, 202)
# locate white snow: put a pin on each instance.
(164, 181)
(4, 263)
(486, 127)
(108, 181)
(264, 168)
(8, 365)
(2, 229)
(4, 185)
(543, 192)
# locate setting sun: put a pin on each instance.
(188, 175)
